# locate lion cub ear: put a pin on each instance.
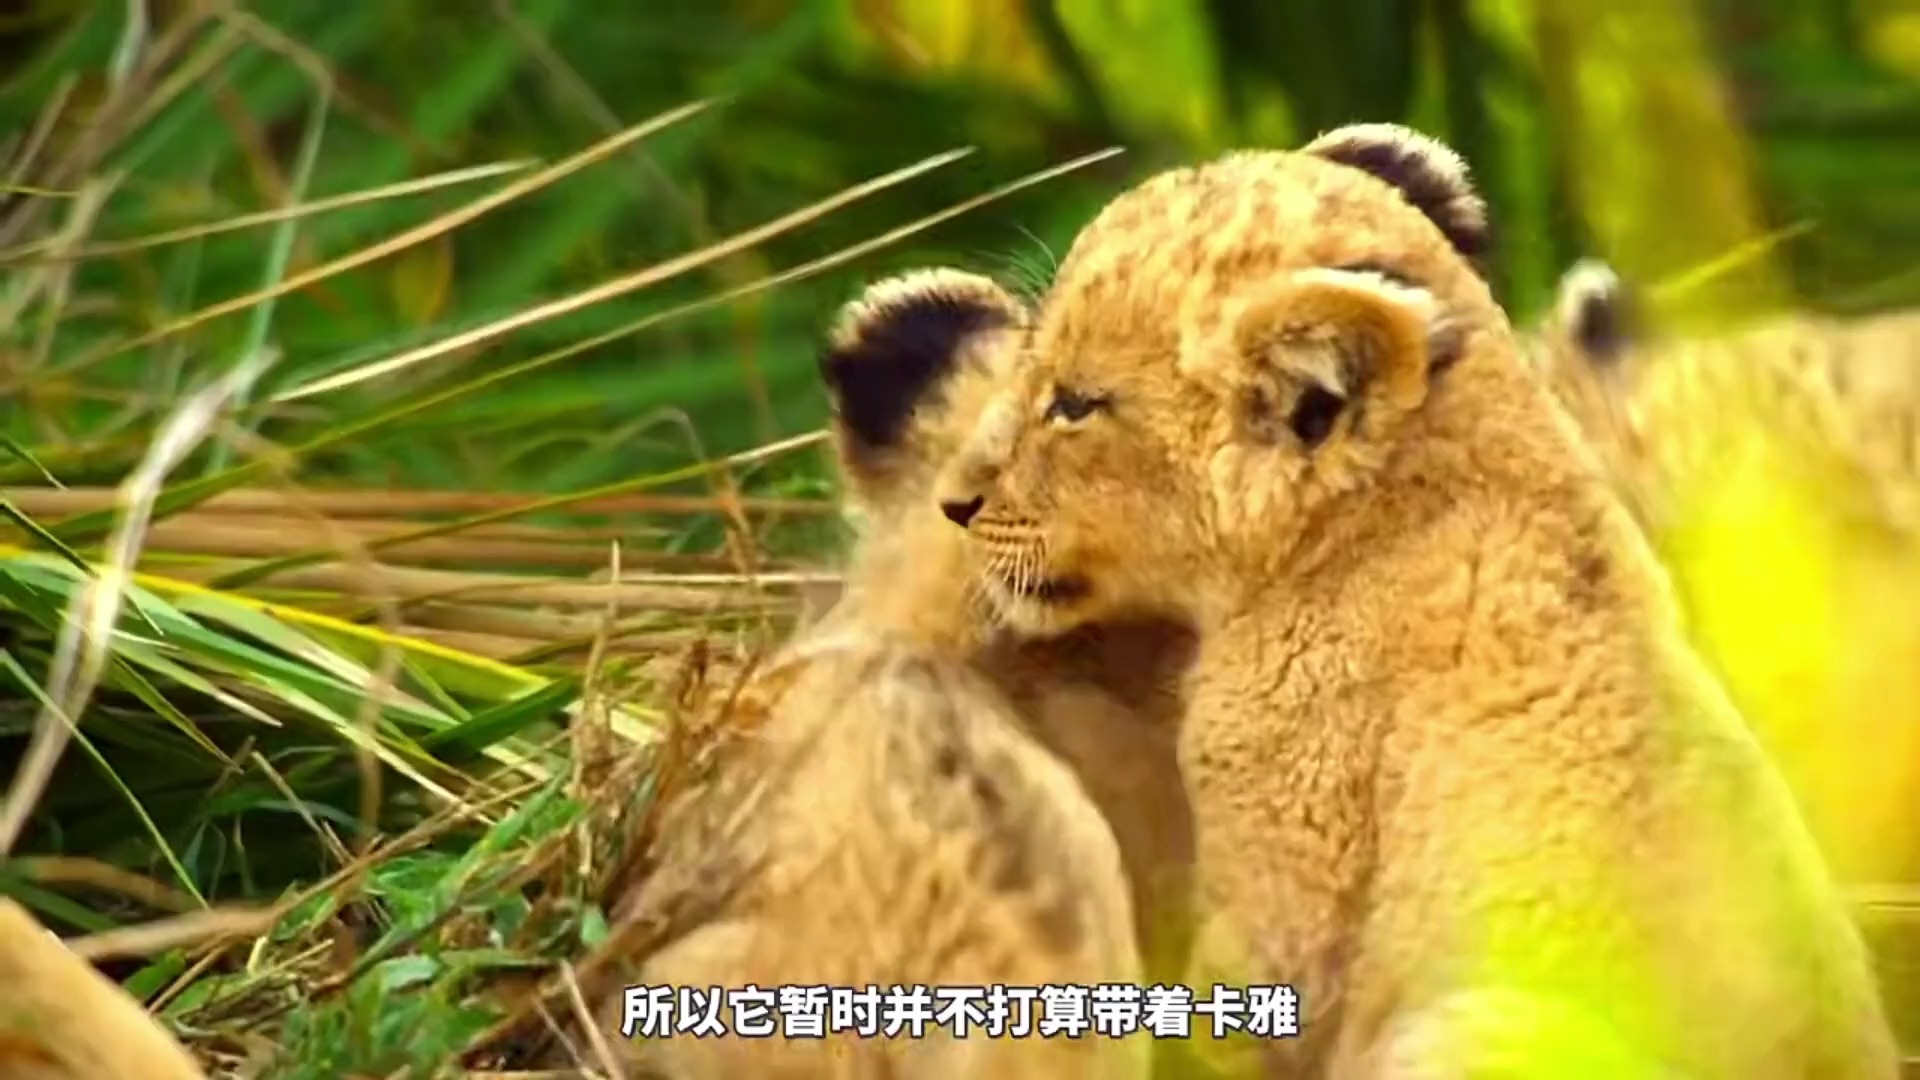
(1324, 352)
(1594, 311)
(1425, 170)
(891, 358)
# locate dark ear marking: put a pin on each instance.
(1446, 344)
(1427, 173)
(1310, 419)
(1595, 311)
(1324, 348)
(1314, 413)
(1301, 407)
(898, 342)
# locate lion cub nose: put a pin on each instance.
(962, 512)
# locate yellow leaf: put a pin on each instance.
(1815, 626)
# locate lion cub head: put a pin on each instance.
(908, 366)
(1229, 356)
(1589, 351)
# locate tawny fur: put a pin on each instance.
(1839, 395)
(883, 813)
(1105, 698)
(1825, 413)
(1453, 773)
(876, 816)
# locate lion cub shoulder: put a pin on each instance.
(875, 816)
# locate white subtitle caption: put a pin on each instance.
(1110, 1010)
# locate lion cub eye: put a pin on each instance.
(1070, 407)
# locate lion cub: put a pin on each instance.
(1453, 773)
(1786, 452)
(908, 368)
(1837, 397)
(886, 805)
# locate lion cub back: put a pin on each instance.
(878, 818)
(1837, 398)
(1786, 452)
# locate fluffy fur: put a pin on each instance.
(1452, 773)
(909, 367)
(887, 808)
(1841, 397)
(878, 817)
(1784, 449)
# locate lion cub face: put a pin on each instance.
(1228, 355)
(909, 368)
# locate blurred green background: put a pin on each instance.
(168, 167)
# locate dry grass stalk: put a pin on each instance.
(191, 928)
(415, 584)
(82, 650)
(59, 502)
(260, 537)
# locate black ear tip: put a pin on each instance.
(834, 365)
(1426, 171)
(1595, 310)
(892, 347)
